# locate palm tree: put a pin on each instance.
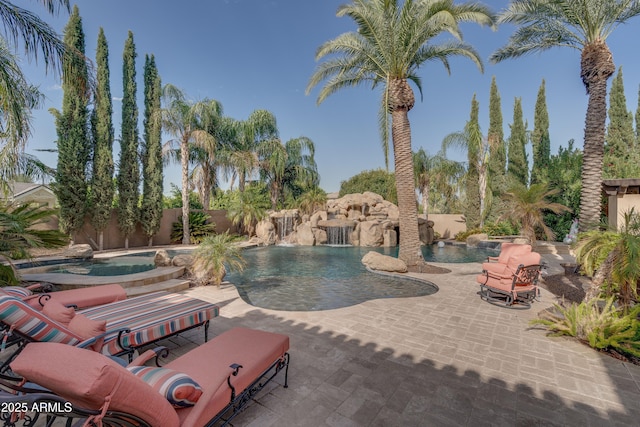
(313, 199)
(20, 230)
(245, 211)
(186, 122)
(526, 207)
(287, 166)
(433, 172)
(611, 258)
(389, 46)
(584, 25)
(17, 96)
(478, 151)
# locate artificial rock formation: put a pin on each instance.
(356, 219)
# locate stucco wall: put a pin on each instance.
(114, 240)
(448, 225)
(618, 205)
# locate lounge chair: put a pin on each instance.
(77, 298)
(115, 329)
(507, 250)
(215, 381)
(515, 285)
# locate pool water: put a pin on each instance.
(312, 278)
(114, 266)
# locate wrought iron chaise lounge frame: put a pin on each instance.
(229, 393)
(131, 323)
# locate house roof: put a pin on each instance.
(20, 189)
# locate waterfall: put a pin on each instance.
(339, 236)
(284, 227)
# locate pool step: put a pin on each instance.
(171, 285)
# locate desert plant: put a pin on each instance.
(19, 233)
(597, 322)
(245, 211)
(611, 257)
(199, 227)
(212, 258)
(526, 207)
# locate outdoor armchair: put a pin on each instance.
(514, 285)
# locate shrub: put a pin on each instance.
(211, 256)
(599, 323)
(377, 181)
(199, 227)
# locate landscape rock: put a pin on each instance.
(377, 261)
(182, 260)
(475, 239)
(79, 251)
(162, 258)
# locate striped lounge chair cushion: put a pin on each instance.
(151, 317)
(32, 323)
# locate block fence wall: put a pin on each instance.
(113, 239)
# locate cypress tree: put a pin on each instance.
(540, 138)
(498, 152)
(102, 189)
(472, 130)
(620, 138)
(498, 158)
(152, 151)
(518, 167)
(129, 170)
(74, 148)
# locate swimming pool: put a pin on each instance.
(113, 266)
(313, 278)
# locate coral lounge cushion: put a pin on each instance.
(58, 312)
(89, 379)
(87, 328)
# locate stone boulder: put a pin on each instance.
(377, 261)
(371, 234)
(425, 228)
(266, 232)
(182, 260)
(305, 236)
(475, 239)
(79, 251)
(162, 258)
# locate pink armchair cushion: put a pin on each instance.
(58, 312)
(86, 379)
(178, 388)
(87, 328)
(512, 249)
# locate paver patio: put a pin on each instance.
(447, 359)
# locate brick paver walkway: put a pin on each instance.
(447, 359)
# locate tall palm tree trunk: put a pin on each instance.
(410, 248)
(596, 67)
(184, 153)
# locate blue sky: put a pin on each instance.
(259, 54)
